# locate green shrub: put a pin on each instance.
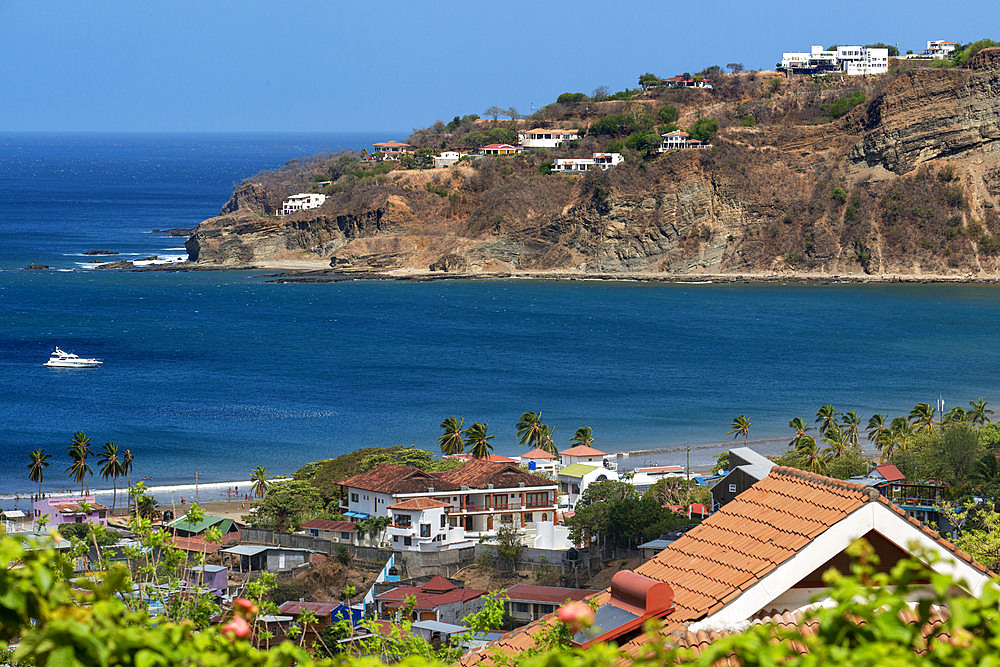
(704, 129)
(840, 107)
(645, 141)
(668, 114)
(989, 245)
(572, 98)
(748, 121)
(839, 195)
(439, 190)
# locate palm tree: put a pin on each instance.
(80, 440)
(815, 457)
(79, 468)
(583, 436)
(545, 441)
(111, 467)
(258, 481)
(955, 416)
(826, 417)
(897, 435)
(477, 441)
(127, 460)
(876, 425)
(800, 428)
(451, 440)
(922, 416)
(850, 426)
(740, 426)
(36, 469)
(987, 470)
(978, 415)
(836, 441)
(529, 429)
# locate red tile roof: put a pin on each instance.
(890, 472)
(737, 546)
(539, 454)
(495, 458)
(660, 469)
(197, 545)
(582, 450)
(391, 479)
(547, 594)
(480, 474)
(392, 143)
(436, 592)
(418, 504)
(328, 524)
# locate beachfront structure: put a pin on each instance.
(849, 60)
(71, 509)
(765, 554)
(342, 532)
(479, 495)
(497, 149)
(681, 81)
(540, 461)
(576, 477)
(643, 478)
(15, 521)
(422, 524)
(301, 202)
(437, 600)
(603, 161)
(546, 138)
(582, 454)
(529, 603)
(746, 468)
(446, 159)
(391, 150)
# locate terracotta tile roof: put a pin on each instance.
(550, 594)
(539, 454)
(890, 472)
(495, 458)
(392, 143)
(436, 592)
(700, 640)
(391, 478)
(737, 546)
(582, 450)
(660, 469)
(480, 474)
(418, 504)
(329, 524)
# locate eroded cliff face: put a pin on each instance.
(905, 185)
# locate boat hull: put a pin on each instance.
(73, 364)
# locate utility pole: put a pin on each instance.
(687, 487)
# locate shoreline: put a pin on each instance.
(309, 271)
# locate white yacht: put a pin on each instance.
(61, 359)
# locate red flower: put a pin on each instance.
(576, 615)
(238, 627)
(244, 607)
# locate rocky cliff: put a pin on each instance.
(906, 184)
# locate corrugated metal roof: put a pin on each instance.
(576, 470)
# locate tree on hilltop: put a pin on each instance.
(494, 112)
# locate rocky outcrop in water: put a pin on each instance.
(121, 264)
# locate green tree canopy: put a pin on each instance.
(287, 505)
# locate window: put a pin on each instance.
(425, 530)
(732, 488)
(545, 517)
(528, 517)
(537, 499)
(395, 538)
(402, 521)
(523, 607)
(345, 536)
(444, 520)
(354, 497)
(407, 541)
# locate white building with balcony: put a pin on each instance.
(301, 202)
(939, 49)
(851, 60)
(422, 524)
(477, 497)
(580, 165)
(446, 159)
(546, 138)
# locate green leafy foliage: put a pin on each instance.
(840, 107)
(704, 129)
(287, 505)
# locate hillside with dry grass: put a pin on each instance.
(889, 176)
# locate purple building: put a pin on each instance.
(213, 577)
(67, 509)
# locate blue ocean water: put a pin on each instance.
(218, 372)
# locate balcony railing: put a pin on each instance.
(494, 507)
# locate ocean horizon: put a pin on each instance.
(218, 372)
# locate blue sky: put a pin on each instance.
(350, 66)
